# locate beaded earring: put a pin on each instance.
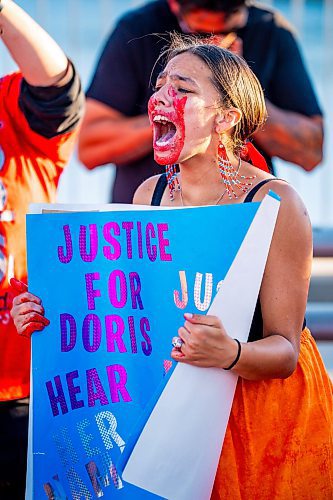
(172, 179)
(230, 176)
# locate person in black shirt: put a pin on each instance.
(116, 128)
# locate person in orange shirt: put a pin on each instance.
(41, 106)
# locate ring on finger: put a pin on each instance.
(177, 342)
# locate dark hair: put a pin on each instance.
(214, 5)
(235, 82)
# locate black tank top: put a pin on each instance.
(162, 184)
(256, 330)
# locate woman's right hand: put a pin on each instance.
(27, 310)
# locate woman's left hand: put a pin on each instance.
(205, 342)
(27, 310)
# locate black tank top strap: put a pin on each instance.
(161, 184)
(255, 189)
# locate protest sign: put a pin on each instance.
(115, 286)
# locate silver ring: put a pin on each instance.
(177, 342)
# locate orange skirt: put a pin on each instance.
(279, 440)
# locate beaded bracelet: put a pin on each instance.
(237, 357)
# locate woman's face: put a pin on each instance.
(183, 110)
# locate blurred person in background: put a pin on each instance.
(116, 129)
(41, 106)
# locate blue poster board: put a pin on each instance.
(110, 285)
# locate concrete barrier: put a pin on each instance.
(323, 242)
(319, 319)
(319, 313)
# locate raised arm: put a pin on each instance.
(40, 59)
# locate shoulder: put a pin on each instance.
(10, 90)
(293, 223)
(10, 84)
(143, 195)
(287, 194)
(264, 15)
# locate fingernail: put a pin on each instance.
(18, 285)
(188, 315)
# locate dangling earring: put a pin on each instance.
(230, 176)
(172, 178)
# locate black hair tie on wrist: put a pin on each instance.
(237, 357)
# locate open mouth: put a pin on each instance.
(164, 130)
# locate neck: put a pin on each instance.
(201, 182)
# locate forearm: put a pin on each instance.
(114, 141)
(293, 137)
(271, 357)
(39, 57)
